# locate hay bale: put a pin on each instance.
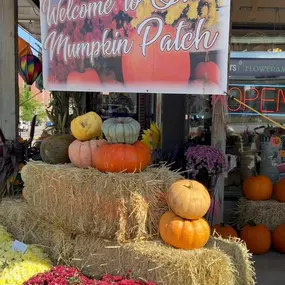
(270, 213)
(221, 262)
(85, 201)
(241, 258)
(28, 228)
(154, 261)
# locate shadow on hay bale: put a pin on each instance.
(85, 201)
(221, 262)
(271, 213)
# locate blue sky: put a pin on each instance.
(29, 39)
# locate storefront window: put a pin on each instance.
(257, 143)
(198, 120)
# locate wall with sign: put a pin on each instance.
(146, 46)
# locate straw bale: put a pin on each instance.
(85, 201)
(221, 262)
(242, 259)
(270, 213)
(28, 228)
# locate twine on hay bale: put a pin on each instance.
(270, 213)
(85, 201)
(221, 262)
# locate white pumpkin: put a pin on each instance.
(121, 130)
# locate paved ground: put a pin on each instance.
(270, 268)
(38, 132)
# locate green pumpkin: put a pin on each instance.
(54, 149)
(121, 130)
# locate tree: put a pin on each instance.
(29, 107)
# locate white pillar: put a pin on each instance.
(9, 99)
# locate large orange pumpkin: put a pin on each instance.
(208, 71)
(257, 238)
(80, 153)
(188, 199)
(156, 67)
(279, 191)
(225, 231)
(90, 78)
(257, 188)
(278, 238)
(183, 234)
(121, 157)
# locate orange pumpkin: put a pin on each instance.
(257, 188)
(256, 237)
(157, 66)
(121, 157)
(183, 234)
(188, 199)
(278, 238)
(90, 78)
(80, 153)
(279, 191)
(208, 71)
(225, 231)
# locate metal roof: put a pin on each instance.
(29, 17)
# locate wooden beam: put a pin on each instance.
(9, 93)
(258, 12)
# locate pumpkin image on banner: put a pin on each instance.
(121, 157)
(87, 126)
(188, 199)
(225, 231)
(256, 237)
(80, 153)
(90, 78)
(183, 234)
(54, 149)
(171, 67)
(121, 130)
(278, 238)
(208, 71)
(279, 191)
(257, 188)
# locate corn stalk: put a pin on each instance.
(63, 108)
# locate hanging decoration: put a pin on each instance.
(30, 68)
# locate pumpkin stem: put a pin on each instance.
(207, 57)
(252, 223)
(205, 78)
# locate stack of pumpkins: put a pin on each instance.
(184, 227)
(257, 236)
(121, 151)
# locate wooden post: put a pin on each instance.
(9, 91)
(219, 138)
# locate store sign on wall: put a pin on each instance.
(253, 67)
(262, 99)
(153, 46)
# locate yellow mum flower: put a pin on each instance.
(16, 267)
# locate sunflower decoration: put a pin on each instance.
(151, 137)
(275, 141)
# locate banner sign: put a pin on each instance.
(147, 46)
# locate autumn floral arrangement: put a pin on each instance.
(64, 275)
(16, 267)
(204, 161)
